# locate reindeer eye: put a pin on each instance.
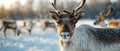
(61, 35)
(59, 22)
(67, 35)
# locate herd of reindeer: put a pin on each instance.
(12, 25)
(83, 38)
(100, 20)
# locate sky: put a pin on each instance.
(7, 3)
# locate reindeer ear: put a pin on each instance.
(54, 15)
(79, 15)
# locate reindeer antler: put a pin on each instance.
(74, 10)
(102, 15)
(66, 11)
(110, 10)
(80, 6)
(54, 6)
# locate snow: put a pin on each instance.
(39, 40)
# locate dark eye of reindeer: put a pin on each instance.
(73, 22)
(59, 22)
(67, 35)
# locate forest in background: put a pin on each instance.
(40, 10)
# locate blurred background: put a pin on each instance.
(37, 30)
(38, 9)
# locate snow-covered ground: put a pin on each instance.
(39, 40)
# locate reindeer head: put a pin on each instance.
(102, 15)
(66, 21)
(99, 18)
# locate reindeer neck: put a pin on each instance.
(72, 45)
(65, 44)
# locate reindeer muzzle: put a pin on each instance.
(65, 36)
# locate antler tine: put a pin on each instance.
(66, 11)
(53, 12)
(98, 18)
(80, 6)
(55, 2)
(54, 6)
(102, 15)
(110, 10)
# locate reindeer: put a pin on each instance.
(29, 25)
(66, 21)
(102, 16)
(114, 24)
(84, 37)
(10, 25)
(1, 25)
(47, 24)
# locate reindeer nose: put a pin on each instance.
(65, 35)
(95, 23)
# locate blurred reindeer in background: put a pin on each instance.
(1, 27)
(28, 25)
(114, 24)
(100, 19)
(47, 24)
(10, 24)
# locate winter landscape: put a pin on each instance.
(38, 40)
(30, 25)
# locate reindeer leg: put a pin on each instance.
(5, 31)
(30, 31)
(15, 31)
(18, 33)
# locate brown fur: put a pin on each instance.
(114, 23)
